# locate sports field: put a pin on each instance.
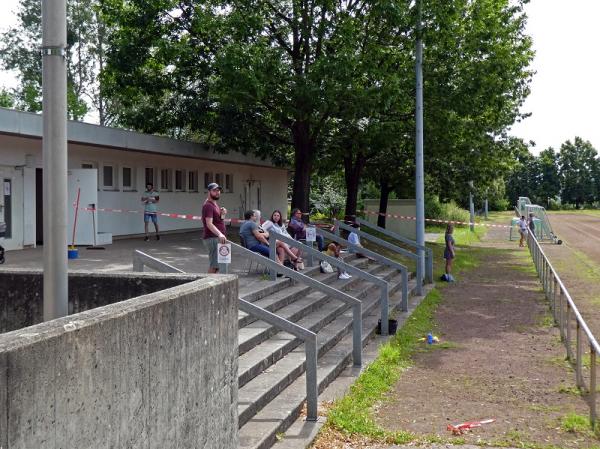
(577, 260)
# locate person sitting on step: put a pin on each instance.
(333, 250)
(255, 238)
(275, 226)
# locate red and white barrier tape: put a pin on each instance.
(433, 220)
(235, 220)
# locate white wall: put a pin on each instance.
(272, 181)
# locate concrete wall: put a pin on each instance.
(157, 371)
(403, 207)
(21, 293)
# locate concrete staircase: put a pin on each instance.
(272, 387)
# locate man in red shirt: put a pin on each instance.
(213, 219)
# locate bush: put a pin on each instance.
(444, 211)
(452, 212)
(433, 208)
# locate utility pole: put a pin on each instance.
(419, 172)
(54, 148)
(471, 208)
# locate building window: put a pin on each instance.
(219, 178)
(128, 178)
(229, 183)
(165, 179)
(179, 180)
(108, 177)
(192, 181)
(88, 165)
(208, 178)
(149, 177)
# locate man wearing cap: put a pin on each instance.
(213, 219)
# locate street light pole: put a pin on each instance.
(54, 150)
(471, 208)
(419, 171)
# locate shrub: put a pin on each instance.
(452, 212)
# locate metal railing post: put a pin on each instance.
(579, 359)
(312, 389)
(384, 309)
(404, 306)
(357, 334)
(554, 299)
(273, 257)
(561, 317)
(568, 340)
(592, 386)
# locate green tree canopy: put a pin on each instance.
(20, 51)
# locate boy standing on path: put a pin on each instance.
(213, 219)
(150, 199)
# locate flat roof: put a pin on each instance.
(30, 125)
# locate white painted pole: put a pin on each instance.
(54, 146)
(471, 212)
(419, 172)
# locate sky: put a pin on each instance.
(565, 91)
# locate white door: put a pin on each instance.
(83, 183)
(11, 207)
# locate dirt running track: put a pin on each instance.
(577, 261)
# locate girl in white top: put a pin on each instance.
(522, 230)
(275, 226)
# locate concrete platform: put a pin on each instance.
(184, 250)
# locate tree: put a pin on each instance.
(548, 182)
(269, 77)
(20, 51)
(476, 77)
(578, 165)
(7, 99)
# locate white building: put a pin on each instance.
(121, 163)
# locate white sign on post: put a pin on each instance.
(311, 234)
(224, 252)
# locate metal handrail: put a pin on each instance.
(141, 259)
(339, 225)
(310, 349)
(563, 310)
(379, 258)
(428, 251)
(381, 283)
(310, 338)
(356, 304)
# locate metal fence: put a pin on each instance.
(384, 243)
(574, 332)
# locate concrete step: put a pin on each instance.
(258, 331)
(277, 415)
(281, 297)
(266, 386)
(262, 356)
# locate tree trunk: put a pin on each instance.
(384, 188)
(352, 173)
(303, 161)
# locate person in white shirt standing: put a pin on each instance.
(522, 230)
(150, 200)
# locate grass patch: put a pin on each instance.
(463, 236)
(575, 423)
(352, 413)
(546, 320)
(569, 389)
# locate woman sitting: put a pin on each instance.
(275, 226)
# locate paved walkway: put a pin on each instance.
(185, 251)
